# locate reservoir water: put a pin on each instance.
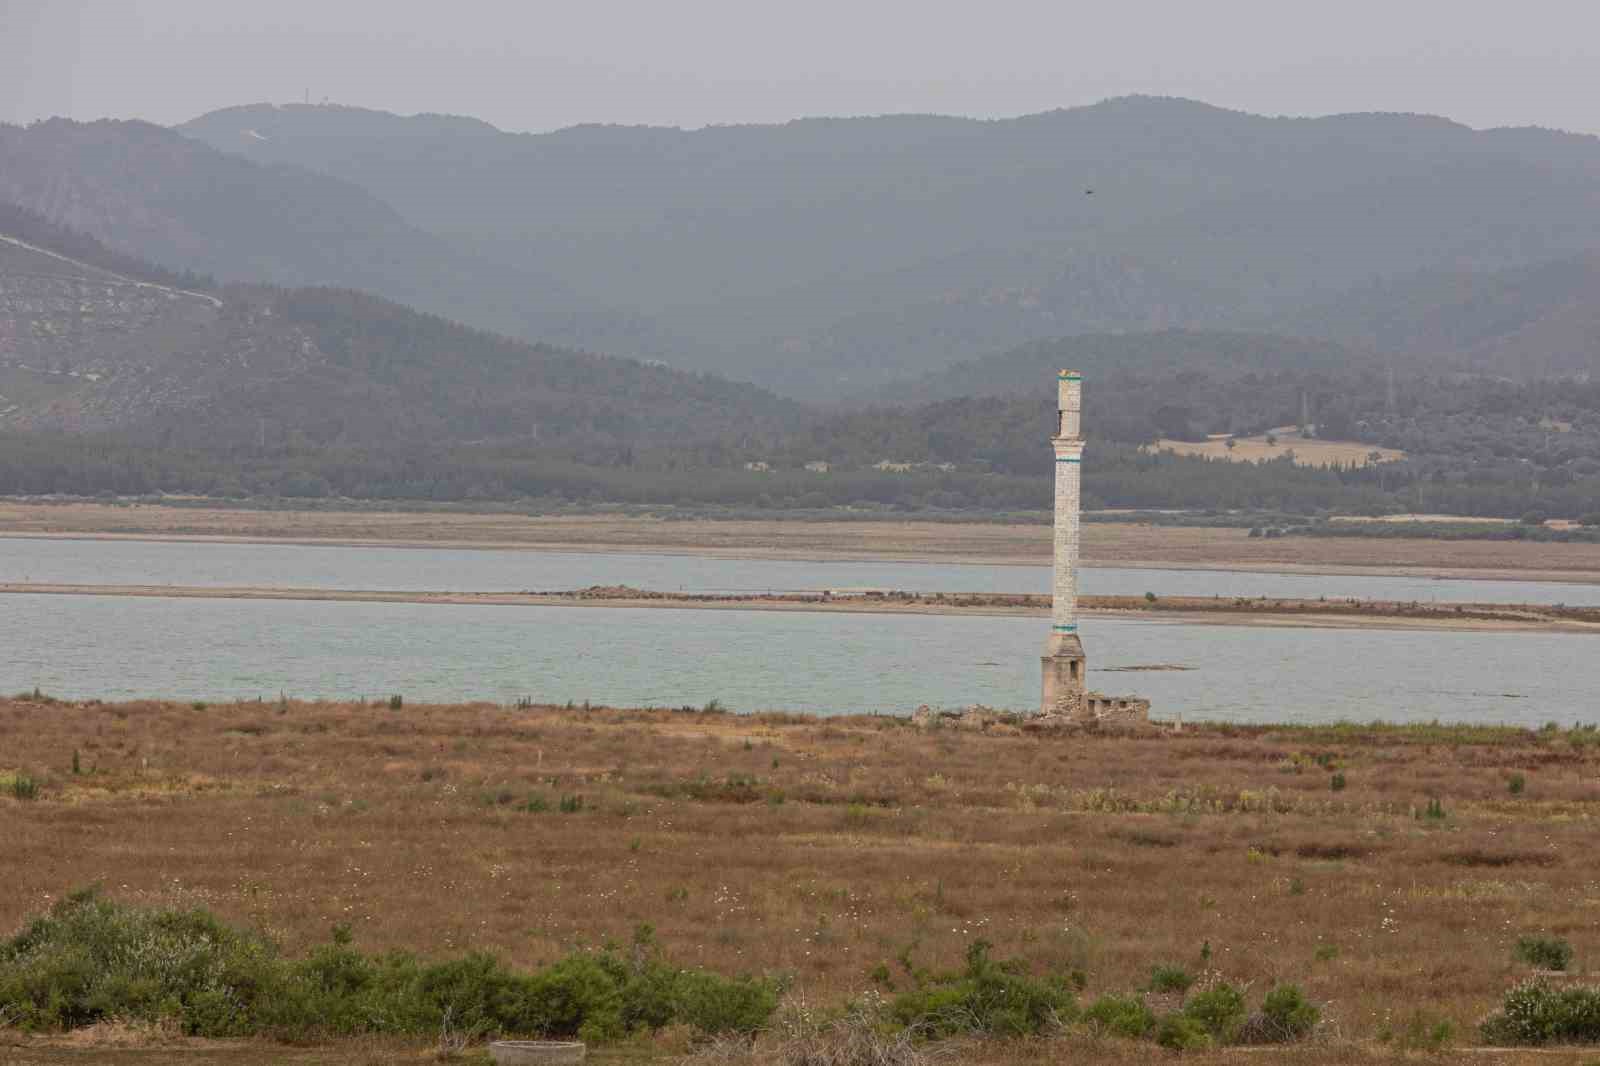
(112, 647)
(125, 647)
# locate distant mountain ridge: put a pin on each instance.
(829, 258)
(828, 254)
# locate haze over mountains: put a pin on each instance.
(93, 341)
(827, 258)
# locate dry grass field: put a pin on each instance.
(1308, 451)
(826, 848)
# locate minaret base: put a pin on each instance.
(1065, 674)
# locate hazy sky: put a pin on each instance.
(539, 65)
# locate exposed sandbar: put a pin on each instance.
(1104, 543)
(1192, 610)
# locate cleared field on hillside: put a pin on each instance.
(1308, 451)
(826, 848)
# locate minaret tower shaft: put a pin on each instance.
(1064, 665)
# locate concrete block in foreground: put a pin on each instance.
(544, 1052)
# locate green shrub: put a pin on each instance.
(1546, 953)
(570, 804)
(1219, 1010)
(988, 997)
(713, 1004)
(1182, 1033)
(1286, 1015)
(1170, 978)
(90, 959)
(396, 702)
(1121, 1015)
(1337, 782)
(1538, 1012)
(1516, 783)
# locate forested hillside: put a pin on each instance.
(829, 255)
(1159, 353)
(1535, 321)
(148, 193)
(84, 348)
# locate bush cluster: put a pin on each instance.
(1539, 1012)
(988, 996)
(1547, 953)
(999, 998)
(89, 958)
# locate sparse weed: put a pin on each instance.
(21, 786)
(1420, 1032)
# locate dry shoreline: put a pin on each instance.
(1105, 544)
(1186, 610)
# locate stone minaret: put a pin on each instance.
(1064, 665)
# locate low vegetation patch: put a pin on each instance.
(1540, 1012)
(988, 996)
(1544, 952)
(1495, 859)
(90, 959)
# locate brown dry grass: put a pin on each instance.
(838, 843)
(1104, 543)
